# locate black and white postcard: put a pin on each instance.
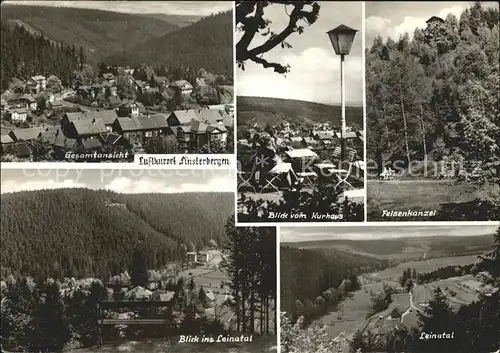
(300, 133)
(127, 261)
(432, 83)
(400, 288)
(104, 81)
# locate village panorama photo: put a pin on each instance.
(300, 133)
(132, 262)
(94, 81)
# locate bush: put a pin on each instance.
(395, 313)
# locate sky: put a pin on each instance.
(391, 19)
(128, 181)
(288, 234)
(315, 69)
(197, 8)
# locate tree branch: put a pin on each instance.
(277, 67)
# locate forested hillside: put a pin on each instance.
(306, 274)
(272, 111)
(436, 96)
(206, 44)
(101, 33)
(71, 232)
(24, 54)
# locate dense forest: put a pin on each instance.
(206, 44)
(307, 274)
(71, 232)
(100, 33)
(251, 266)
(273, 111)
(24, 54)
(435, 97)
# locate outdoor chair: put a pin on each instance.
(272, 177)
(344, 174)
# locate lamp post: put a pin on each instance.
(342, 38)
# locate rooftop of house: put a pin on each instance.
(107, 116)
(110, 138)
(210, 116)
(198, 127)
(186, 116)
(89, 126)
(19, 111)
(325, 135)
(160, 120)
(435, 19)
(27, 134)
(27, 97)
(138, 123)
(6, 139)
(57, 103)
(182, 84)
(38, 78)
(348, 135)
(91, 144)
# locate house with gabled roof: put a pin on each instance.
(88, 129)
(128, 108)
(28, 101)
(211, 116)
(36, 84)
(182, 86)
(17, 115)
(107, 117)
(138, 129)
(27, 134)
(182, 117)
(202, 134)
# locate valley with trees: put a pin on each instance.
(370, 301)
(134, 272)
(432, 118)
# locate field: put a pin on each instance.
(259, 345)
(416, 195)
(459, 290)
(393, 273)
(272, 111)
(351, 314)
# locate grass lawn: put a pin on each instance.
(404, 195)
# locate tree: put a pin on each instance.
(409, 285)
(49, 331)
(491, 262)
(250, 21)
(54, 84)
(138, 269)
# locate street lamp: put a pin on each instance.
(342, 38)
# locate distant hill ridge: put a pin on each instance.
(100, 32)
(73, 232)
(266, 110)
(437, 246)
(207, 43)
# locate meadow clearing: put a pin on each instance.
(351, 314)
(415, 195)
